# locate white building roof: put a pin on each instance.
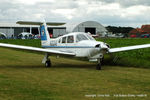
(70, 26)
(4, 24)
(15, 25)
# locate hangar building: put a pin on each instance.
(88, 26)
(57, 29)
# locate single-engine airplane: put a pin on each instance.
(77, 44)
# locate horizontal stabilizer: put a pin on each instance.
(35, 49)
(39, 23)
(29, 23)
(128, 48)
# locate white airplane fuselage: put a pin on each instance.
(88, 47)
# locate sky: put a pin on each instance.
(132, 13)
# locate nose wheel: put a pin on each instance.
(99, 65)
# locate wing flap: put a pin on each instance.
(35, 49)
(113, 50)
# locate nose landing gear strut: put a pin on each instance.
(99, 66)
(99, 63)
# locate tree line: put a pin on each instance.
(123, 30)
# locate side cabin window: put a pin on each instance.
(64, 40)
(70, 39)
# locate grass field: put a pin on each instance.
(23, 77)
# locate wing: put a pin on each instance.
(35, 49)
(128, 48)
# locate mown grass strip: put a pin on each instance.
(26, 78)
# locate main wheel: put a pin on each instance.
(98, 67)
(48, 63)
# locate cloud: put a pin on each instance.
(107, 12)
(127, 3)
(30, 2)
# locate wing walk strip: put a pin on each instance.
(113, 50)
(35, 49)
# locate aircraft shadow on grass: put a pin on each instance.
(66, 66)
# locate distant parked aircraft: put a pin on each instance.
(3, 35)
(25, 35)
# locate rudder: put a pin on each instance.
(45, 38)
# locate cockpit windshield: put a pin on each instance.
(81, 37)
(90, 37)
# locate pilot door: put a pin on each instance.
(67, 43)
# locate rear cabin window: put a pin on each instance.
(64, 40)
(70, 39)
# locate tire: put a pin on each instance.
(102, 61)
(98, 67)
(48, 64)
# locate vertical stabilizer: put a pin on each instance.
(45, 38)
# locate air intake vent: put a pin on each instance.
(97, 46)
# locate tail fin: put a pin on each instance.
(45, 38)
